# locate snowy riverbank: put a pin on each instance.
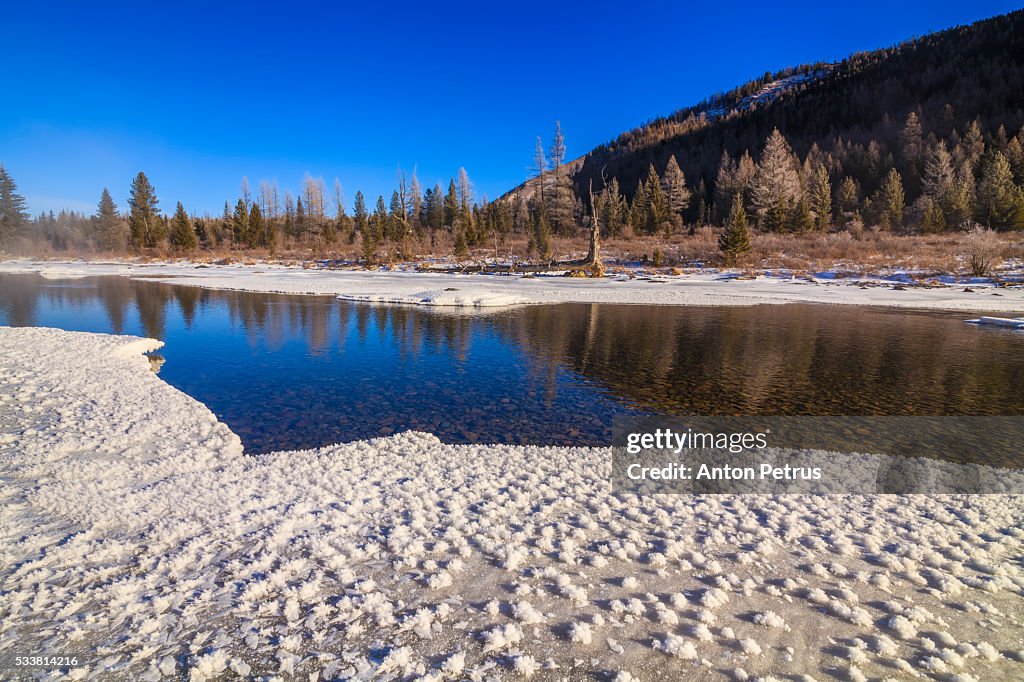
(699, 288)
(137, 535)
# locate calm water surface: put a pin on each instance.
(289, 372)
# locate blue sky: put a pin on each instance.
(199, 94)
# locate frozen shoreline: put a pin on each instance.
(136, 533)
(697, 289)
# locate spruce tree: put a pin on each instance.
(240, 233)
(735, 241)
(202, 234)
(379, 221)
(821, 198)
(638, 208)
(257, 228)
(461, 249)
(144, 222)
(109, 227)
(13, 216)
(182, 237)
(658, 218)
(301, 220)
(451, 205)
(542, 234)
(802, 220)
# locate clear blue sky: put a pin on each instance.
(198, 95)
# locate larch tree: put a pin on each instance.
(849, 195)
(560, 200)
(465, 198)
(776, 185)
(677, 194)
(144, 222)
(416, 219)
(539, 168)
(892, 200)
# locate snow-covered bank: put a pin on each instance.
(700, 288)
(136, 534)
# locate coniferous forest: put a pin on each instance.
(926, 137)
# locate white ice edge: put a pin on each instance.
(135, 531)
(1013, 323)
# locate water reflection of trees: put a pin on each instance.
(780, 359)
(749, 360)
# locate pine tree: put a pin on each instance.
(997, 194)
(821, 198)
(735, 241)
(182, 237)
(144, 222)
(892, 201)
(677, 194)
(776, 183)
(13, 216)
(110, 234)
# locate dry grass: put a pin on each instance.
(868, 251)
